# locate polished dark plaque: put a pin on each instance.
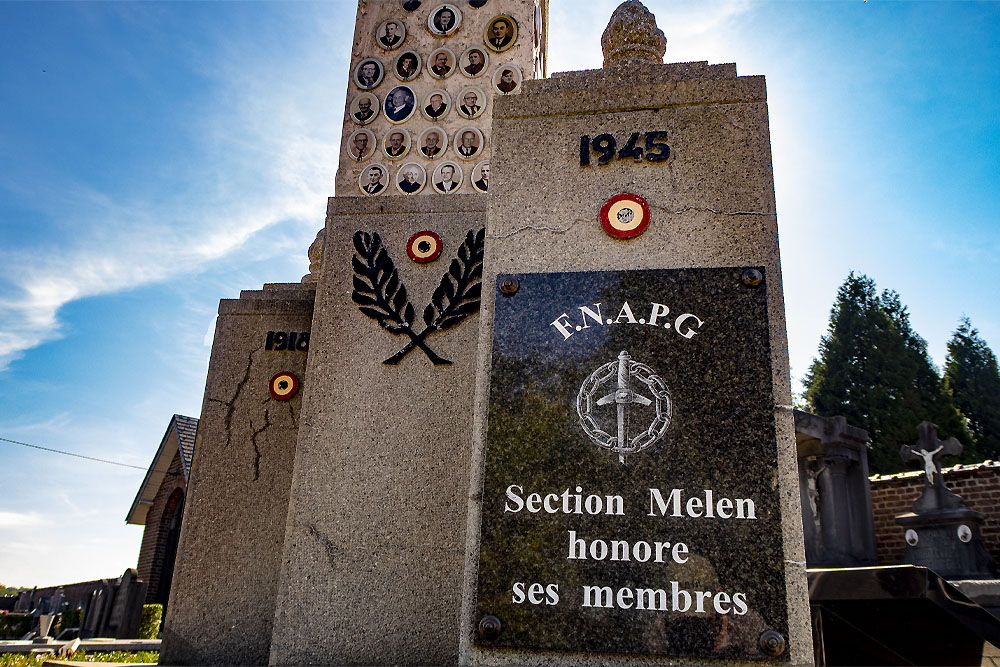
(630, 499)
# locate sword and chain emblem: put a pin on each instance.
(381, 295)
(624, 373)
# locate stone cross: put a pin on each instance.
(929, 450)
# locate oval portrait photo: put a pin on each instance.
(410, 178)
(361, 145)
(481, 177)
(469, 142)
(399, 104)
(471, 102)
(507, 79)
(441, 64)
(396, 143)
(368, 74)
(373, 179)
(500, 33)
(390, 34)
(436, 105)
(444, 20)
(407, 66)
(432, 143)
(365, 108)
(473, 62)
(447, 178)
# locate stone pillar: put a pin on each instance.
(221, 604)
(373, 553)
(691, 153)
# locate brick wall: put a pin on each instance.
(154, 537)
(978, 484)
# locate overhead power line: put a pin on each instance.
(79, 456)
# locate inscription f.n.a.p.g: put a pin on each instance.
(685, 324)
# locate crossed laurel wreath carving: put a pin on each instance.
(381, 295)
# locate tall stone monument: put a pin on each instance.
(630, 395)
(836, 496)
(634, 495)
(326, 515)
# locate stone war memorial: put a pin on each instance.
(532, 403)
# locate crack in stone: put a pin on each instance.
(231, 403)
(330, 549)
(291, 413)
(563, 230)
(253, 441)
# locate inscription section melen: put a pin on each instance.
(629, 494)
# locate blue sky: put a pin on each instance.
(156, 157)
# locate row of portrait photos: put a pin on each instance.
(499, 34)
(370, 72)
(400, 105)
(411, 178)
(432, 144)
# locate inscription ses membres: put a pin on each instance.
(673, 503)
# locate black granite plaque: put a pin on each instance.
(630, 499)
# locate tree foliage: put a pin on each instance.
(972, 376)
(875, 370)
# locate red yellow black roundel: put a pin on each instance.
(424, 247)
(284, 385)
(625, 216)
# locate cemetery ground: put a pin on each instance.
(110, 657)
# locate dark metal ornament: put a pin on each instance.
(381, 295)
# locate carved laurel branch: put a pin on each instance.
(381, 295)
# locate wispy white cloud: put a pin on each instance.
(12, 519)
(268, 146)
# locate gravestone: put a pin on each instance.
(634, 494)
(833, 485)
(941, 533)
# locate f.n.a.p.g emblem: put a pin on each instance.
(381, 294)
(617, 380)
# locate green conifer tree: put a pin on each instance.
(875, 370)
(972, 376)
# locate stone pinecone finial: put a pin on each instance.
(315, 258)
(632, 35)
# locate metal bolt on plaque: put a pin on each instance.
(752, 278)
(510, 286)
(490, 627)
(623, 372)
(772, 643)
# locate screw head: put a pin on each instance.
(752, 277)
(772, 643)
(510, 286)
(489, 628)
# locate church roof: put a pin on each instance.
(179, 437)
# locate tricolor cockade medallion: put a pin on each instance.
(614, 382)
(381, 295)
